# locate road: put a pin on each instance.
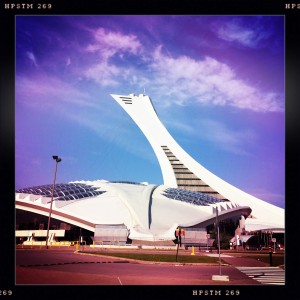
(36, 266)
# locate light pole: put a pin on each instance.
(218, 236)
(57, 159)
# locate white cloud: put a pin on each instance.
(32, 58)
(183, 127)
(46, 91)
(231, 32)
(176, 79)
(236, 31)
(68, 63)
(209, 81)
(109, 42)
(104, 73)
(233, 141)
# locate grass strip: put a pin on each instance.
(161, 257)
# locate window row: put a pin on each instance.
(67, 191)
(196, 198)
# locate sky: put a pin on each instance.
(217, 84)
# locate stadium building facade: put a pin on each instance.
(190, 196)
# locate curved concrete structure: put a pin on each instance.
(146, 211)
(180, 170)
(189, 197)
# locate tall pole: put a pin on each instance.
(177, 235)
(218, 232)
(52, 195)
(220, 276)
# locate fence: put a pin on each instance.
(59, 244)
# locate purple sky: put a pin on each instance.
(217, 83)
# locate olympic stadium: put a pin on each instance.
(190, 198)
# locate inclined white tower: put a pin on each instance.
(180, 170)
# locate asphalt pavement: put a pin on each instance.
(65, 266)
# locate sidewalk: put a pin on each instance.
(238, 260)
(244, 262)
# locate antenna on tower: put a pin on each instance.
(144, 91)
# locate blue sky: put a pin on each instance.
(217, 83)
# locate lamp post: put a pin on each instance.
(57, 160)
(218, 236)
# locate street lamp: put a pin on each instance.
(57, 159)
(218, 236)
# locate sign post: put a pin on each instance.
(274, 241)
(237, 242)
(220, 276)
(207, 237)
(177, 233)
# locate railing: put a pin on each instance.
(108, 243)
(75, 244)
(59, 244)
